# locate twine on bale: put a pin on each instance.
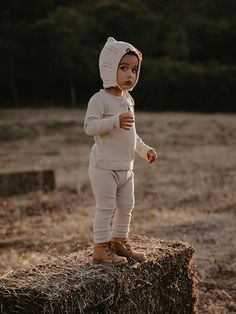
(165, 283)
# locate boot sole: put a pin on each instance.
(110, 264)
(132, 258)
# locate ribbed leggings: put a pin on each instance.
(114, 196)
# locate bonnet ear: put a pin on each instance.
(110, 40)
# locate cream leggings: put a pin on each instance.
(114, 195)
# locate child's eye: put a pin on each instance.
(135, 70)
(123, 67)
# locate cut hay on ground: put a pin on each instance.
(165, 283)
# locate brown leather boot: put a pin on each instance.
(121, 247)
(103, 254)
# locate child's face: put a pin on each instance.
(127, 71)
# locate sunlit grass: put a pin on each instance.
(12, 132)
(71, 131)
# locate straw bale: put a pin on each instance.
(165, 283)
(23, 182)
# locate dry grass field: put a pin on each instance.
(189, 194)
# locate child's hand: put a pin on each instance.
(126, 121)
(152, 156)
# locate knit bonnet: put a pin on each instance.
(109, 60)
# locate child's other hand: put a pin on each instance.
(151, 155)
(126, 121)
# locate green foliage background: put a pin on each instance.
(49, 51)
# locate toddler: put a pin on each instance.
(110, 119)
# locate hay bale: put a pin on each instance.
(15, 183)
(165, 283)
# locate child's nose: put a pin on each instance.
(130, 73)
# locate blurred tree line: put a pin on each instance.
(49, 51)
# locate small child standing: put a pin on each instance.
(110, 119)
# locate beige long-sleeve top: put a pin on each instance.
(114, 147)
